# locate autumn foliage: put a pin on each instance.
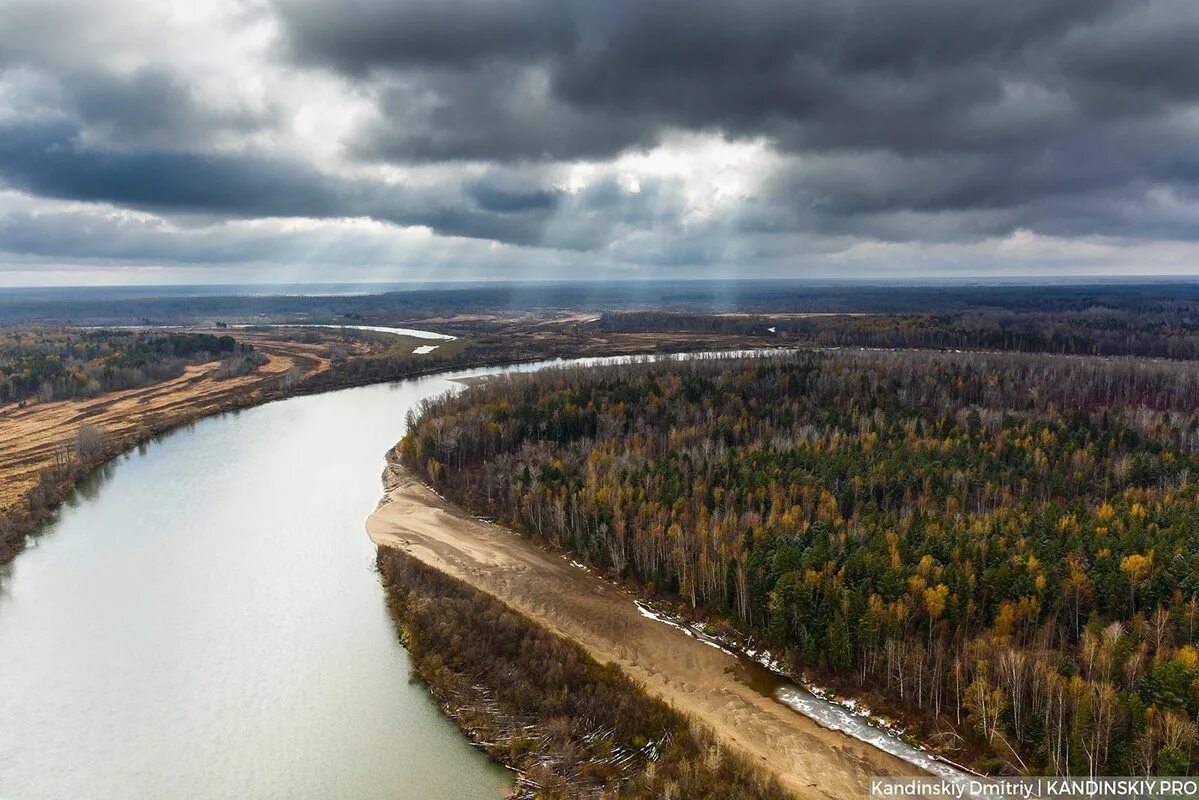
(1003, 543)
(570, 727)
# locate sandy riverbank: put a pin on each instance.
(694, 677)
(34, 438)
(31, 435)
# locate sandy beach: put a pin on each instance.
(696, 678)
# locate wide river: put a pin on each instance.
(202, 619)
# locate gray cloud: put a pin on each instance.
(1054, 116)
(503, 112)
(505, 197)
(154, 106)
(906, 121)
(910, 76)
(48, 160)
(360, 36)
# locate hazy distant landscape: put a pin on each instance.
(1169, 300)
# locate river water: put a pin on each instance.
(202, 619)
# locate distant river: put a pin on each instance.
(413, 332)
(203, 620)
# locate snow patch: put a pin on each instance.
(710, 642)
(844, 715)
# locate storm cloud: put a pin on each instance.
(628, 134)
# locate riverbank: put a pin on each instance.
(689, 674)
(40, 457)
(39, 466)
(222, 612)
(536, 702)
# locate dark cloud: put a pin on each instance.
(936, 121)
(50, 161)
(154, 106)
(360, 36)
(938, 105)
(491, 196)
(504, 112)
(908, 75)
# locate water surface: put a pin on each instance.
(203, 620)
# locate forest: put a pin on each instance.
(1002, 544)
(1153, 330)
(45, 364)
(569, 726)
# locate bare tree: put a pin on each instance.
(90, 442)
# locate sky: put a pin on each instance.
(225, 141)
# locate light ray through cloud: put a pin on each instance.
(240, 140)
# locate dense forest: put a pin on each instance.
(59, 363)
(1157, 331)
(1004, 544)
(570, 727)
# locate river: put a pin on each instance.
(202, 619)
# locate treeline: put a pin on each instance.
(159, 306)
(57, 364)
(389, 367)
(671, 322)
(1157, 333)
(1004, 544)
(569, 726)
(90, 447)
(392, 365)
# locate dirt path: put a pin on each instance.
(696, 678)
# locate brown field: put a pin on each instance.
(32, 438)
(697, 679)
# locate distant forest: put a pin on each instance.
(1004, 544)
(57, 364)
(1163, 333)
(1161, 301)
